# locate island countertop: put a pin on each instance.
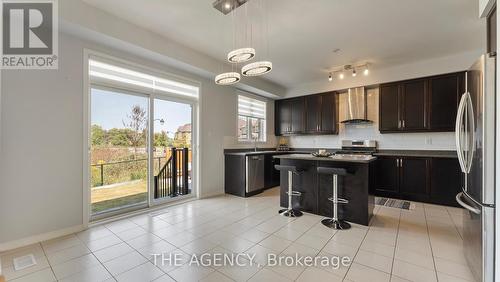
(334, 158)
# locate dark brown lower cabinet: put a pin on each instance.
(446, 181)
(422, 179)
(387, 176)
(271, 175)
(413, 178)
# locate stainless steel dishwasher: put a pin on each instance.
(254, 173)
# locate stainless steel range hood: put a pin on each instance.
(355, 106)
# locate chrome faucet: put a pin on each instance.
(255, 139)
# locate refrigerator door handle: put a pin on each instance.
(458, 197)
(458, 137)
(471, 131)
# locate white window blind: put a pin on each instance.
(249, 107)
(103, 72)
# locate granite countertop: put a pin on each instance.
(417, 153)
(382, 152)
(250, 153)
(308, 157)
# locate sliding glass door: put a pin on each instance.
(172, 149)
(119, 150)
(142, 136)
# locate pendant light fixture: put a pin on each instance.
(257, 68)
(260, 67)
(227, 78)
(241, 55)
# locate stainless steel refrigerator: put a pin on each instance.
(475, 142)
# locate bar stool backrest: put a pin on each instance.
(332, 170)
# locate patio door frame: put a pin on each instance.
(151, 95)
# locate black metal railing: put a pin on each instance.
(173, 178)
(101, 176)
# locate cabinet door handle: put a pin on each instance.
(404, 124)
(399, 123)
(401, 162)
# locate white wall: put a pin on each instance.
(41, 146)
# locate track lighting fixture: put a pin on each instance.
(346, 69)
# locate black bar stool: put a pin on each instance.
(290, 212)
(335, 222)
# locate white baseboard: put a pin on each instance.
(39, 238)
(213, 194)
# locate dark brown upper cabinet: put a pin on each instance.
(313, 114)
(444, 96)
(414, 95)
(283, 117)
(389, 107)
(321, 113)
(289, 116)
(298, 115)
(420, 105)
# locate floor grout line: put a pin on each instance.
(430, 243)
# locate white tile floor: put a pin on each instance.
(423, 244)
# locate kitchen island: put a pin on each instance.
(317, 188)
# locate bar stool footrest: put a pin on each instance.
(294, 193)
(339, 201)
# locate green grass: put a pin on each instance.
(118, 202)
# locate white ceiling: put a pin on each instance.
(304, 33)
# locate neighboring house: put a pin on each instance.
(182, 136)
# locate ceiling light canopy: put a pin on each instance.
(227, 78)
(257, 68)
(241, 55)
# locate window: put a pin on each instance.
(251, 119)
(107, 74)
